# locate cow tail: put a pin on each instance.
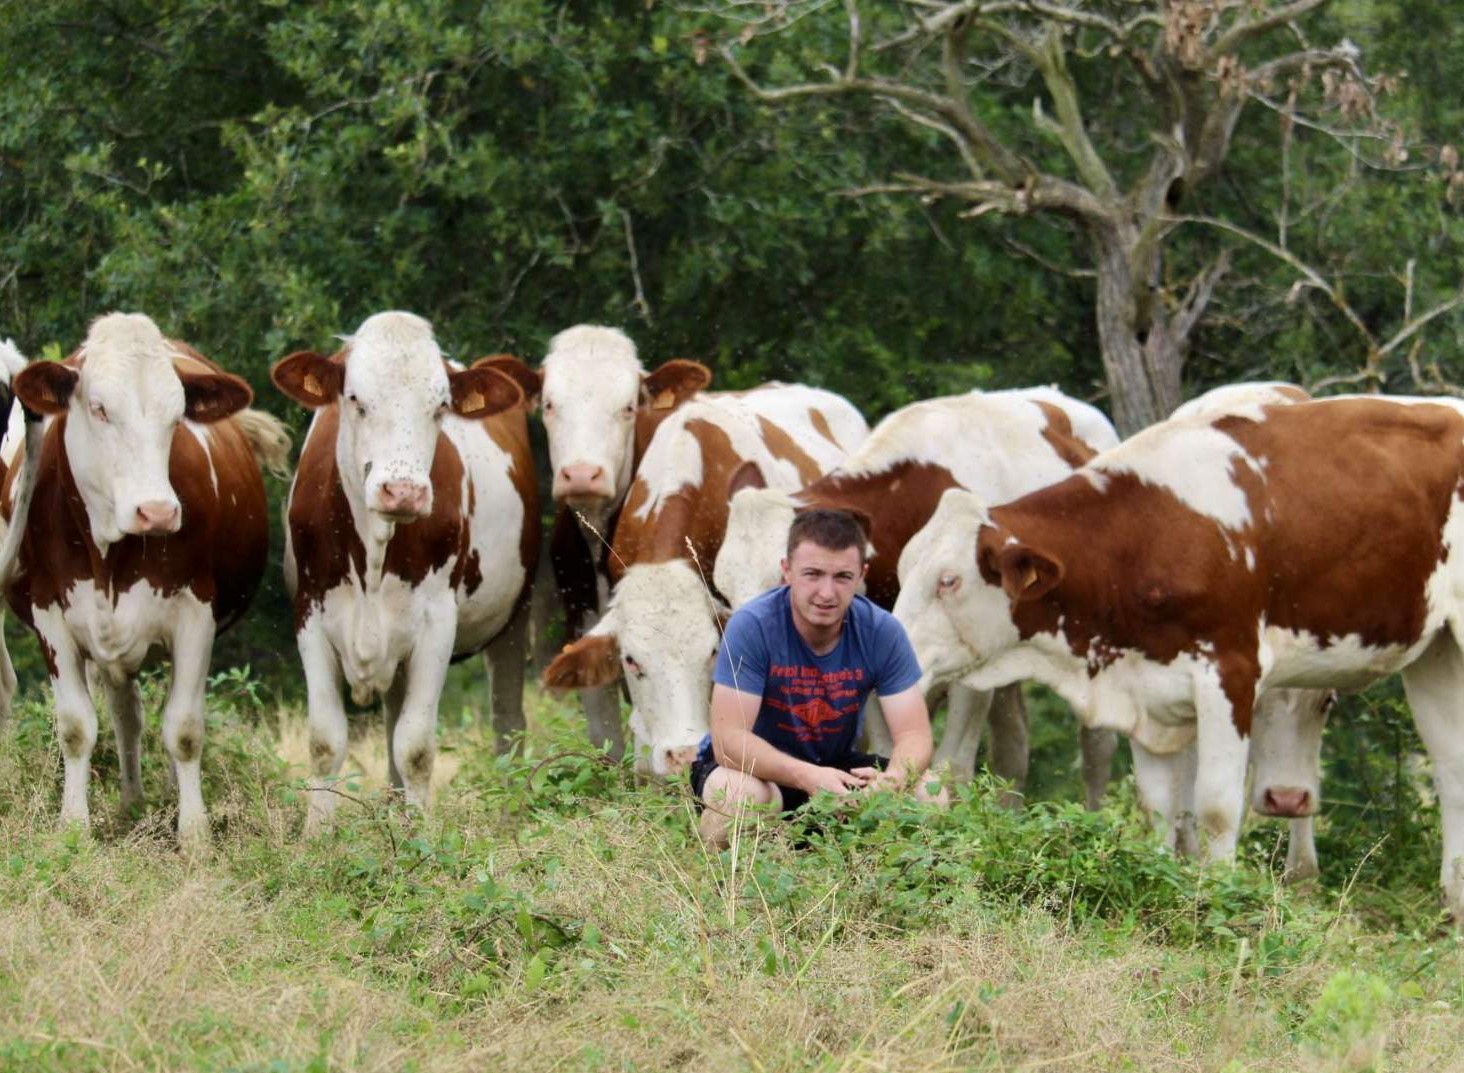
(268, 439)
(21, 493)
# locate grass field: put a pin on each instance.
(551, 913)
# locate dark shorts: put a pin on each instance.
(792, 799)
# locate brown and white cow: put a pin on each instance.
(999, 443)
(600, 409)
(937, 573)
(12, 361)
(147, 526)
(412, 539)
(1166, 585)
(661, 631)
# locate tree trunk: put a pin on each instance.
(1140, 356)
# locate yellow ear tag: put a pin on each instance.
(473, 403)
(1028, 577)
(665, 400)
(312, 385)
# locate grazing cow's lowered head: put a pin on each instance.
(661, 633)
(593, 391)
(123, 399)
(953, 618)
(1286, 748)
(394, 389)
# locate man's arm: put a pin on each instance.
(736, 746)
(909, 722)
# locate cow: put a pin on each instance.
(937, 573)
(600, 410)
(147, 526)
(1170, 582)
(1000, 443)
(12, 361)
(412, 539)
(661, 631)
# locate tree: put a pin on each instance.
(1134, 115)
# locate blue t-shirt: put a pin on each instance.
(812, 706)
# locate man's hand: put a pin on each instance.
(875, 779)
(833, 780)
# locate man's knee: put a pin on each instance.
(727, 786)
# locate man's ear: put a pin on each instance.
(209, 397)
(482, 392)
(528, 380)
(309, 378)
(46, 386)
(593, 660)
(674, 382)
(1027, 574)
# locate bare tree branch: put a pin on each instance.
(1245, 30)
(1197, 298)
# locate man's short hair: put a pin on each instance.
(831, 529)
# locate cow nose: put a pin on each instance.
(678, 761)
(581, 479)
(1287, 801)
(404, 497)
(158, 516)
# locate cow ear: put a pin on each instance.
(747, 475)
(675, 382)
(309, 378)
(593, 660)
(46, 386)
(483, 392)
(528, 380)
(209, 397)
(1027, 574)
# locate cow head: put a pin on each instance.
(123, 400)
(1286, 748)
(956, 618)
(394, 390)
(593, 391)
(661, 634)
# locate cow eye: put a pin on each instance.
(548, 407)
(627, 411)
(633, 667)
(356, 402)
(99, 411)
(948, 583)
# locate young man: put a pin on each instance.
(795, 668)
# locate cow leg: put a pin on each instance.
(504, 660)
(8, 681)
(1301, 850)
(966, 712)
(602, 719)
(76, 728)
(326, 725)
(414, 741)
(125, 700)
(1097, 748)
(391, 710)
(183, 719)
(1008, 756)
(1434, 684)
(876, 736)
(1221, 756)
(1166, 793)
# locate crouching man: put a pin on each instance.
(795, 668)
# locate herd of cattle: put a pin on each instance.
(1201, 587)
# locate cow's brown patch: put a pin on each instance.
(784, 448)
(821, 426)
(1058, 432)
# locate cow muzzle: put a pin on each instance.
(157, 516)
(582, 481)
(1292, 801)
(404, 500)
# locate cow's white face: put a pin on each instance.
(394, 390)
(754, 545)
(955, 619)
(661, 634)
(123, 404)
(393, 401)
(591, 390)
(1285, 752)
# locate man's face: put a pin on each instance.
(822, 583)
